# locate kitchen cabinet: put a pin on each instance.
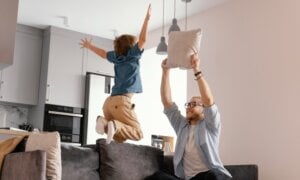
(95, 63)
(63, 71)
(66, 74)
(67, 66)
(20, 82)
(8, 19)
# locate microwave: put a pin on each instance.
(68, 121)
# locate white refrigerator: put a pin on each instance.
(98, 88)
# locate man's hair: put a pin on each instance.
(123, 43)
(197, 97)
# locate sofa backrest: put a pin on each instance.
(128, 161)
(80, 163)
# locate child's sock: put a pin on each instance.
(101, 123)
(110, 131)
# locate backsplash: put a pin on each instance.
(12, 116)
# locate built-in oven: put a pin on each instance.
(68, 121)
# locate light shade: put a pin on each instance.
(162, 46)
(174, 26)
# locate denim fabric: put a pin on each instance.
(127, 71)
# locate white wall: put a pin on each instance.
(149, 108)
(251, 58)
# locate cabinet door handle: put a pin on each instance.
(48, 92)
(84, 59)
(65, 114)
(1, 83)
(1, 79)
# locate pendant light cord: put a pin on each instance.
(174, 8)
(186, 15)
(163, 28)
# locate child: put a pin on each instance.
(120, 121)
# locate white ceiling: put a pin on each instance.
(100, 17)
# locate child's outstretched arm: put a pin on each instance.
(143, 33)
(85, 43)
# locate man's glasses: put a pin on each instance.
(192, 104)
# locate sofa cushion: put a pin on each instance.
(80, 163)
(25, 165)
(49, 142)
(128, 161)
(181, 45)
(238, 172)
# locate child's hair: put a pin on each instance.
(123, 43)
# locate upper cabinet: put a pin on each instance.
(67, 65)
(95, 63)
(63, 71)
(8, 19)
(65, 80)
(20, 81)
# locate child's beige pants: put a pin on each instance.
(120, 109)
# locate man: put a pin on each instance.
(196, 153)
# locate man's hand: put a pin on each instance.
(195, 62)
(85, 43)
(164, 65)
(165, 89)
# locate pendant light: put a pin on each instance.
(174, 26)
(162, 46)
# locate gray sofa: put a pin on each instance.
(100, 161)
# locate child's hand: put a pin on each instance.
(148, 12)
(85, 43)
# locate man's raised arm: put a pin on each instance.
(165, 88)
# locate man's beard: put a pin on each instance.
(195, 117)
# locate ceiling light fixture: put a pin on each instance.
(115, 33)
(65, 20)
(162, 46)
(174, 26)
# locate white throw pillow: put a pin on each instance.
(49, 142)
(181, 45)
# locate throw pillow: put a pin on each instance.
(181, 45)
(79, 162)
(128, 161)
(24, 165)
(8, 145)
(49, 142)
